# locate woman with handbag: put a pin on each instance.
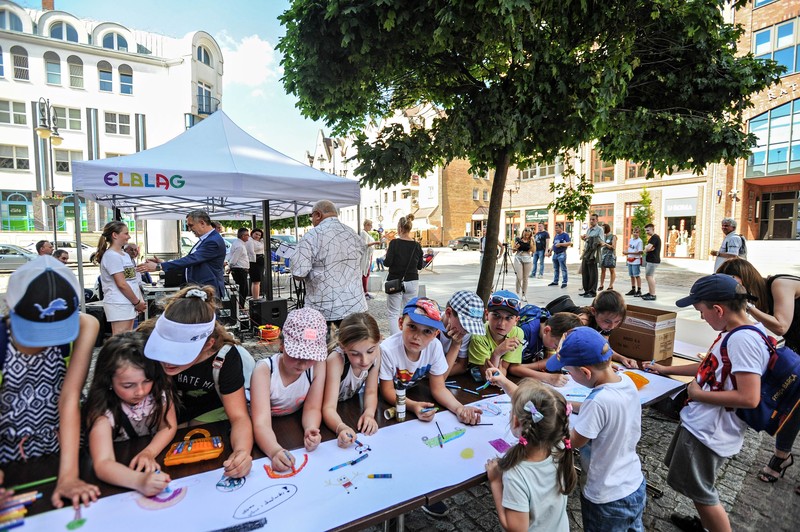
(404, 260)
(523, 261)
(608, 257)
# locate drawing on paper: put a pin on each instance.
(165, 499)
(256, 524)
(292, 472)
(362, 447)
(75, 524)
(344, 481)
(500, 445)
(265, 500)
(468, 453)
(433, 441)
(227, 484)
(491, 409)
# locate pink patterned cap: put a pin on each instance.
(304, 335)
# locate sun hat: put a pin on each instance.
(304, 335)
(42, 298)
(504, 300)
(177, 343)
(469, 308)
(715, 287)
(424, 311)
(582, 346)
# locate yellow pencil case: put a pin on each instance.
(194, 450)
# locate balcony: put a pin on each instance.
(206, 104)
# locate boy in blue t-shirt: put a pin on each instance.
(559, 251)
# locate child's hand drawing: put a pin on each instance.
(424, 416)
(367, 424)
(76, 491)
(311, 439)
(282, 461)
(346, 436)
(153, 483)
(469, 415)
(144, 462)
(238, 464)
(556, 379)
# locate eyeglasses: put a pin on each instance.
(429, 308)
(500, 301)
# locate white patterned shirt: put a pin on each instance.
(328, 257)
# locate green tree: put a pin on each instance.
(643, 214)
(522, 82)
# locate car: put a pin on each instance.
(71, 247)
(466, 243)
(12, 257)
(276, 240)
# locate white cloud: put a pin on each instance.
(257, 93)
(250, 61)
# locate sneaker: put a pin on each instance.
(684, 522)
(589, 294)
(437, 509)
(554, 283)
(564, 285)
(541, 276)
(649, 297)
(632, 292)
(638, 293)
(368, 295)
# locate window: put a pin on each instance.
(759, 3)
(203, 99)
(386, 197)
(125, 79)
(2, 73)
(75, 72)
(16, 211)
(9, 21)
(14, 158)
(63, 32)
(481, 175)
(475, 194)
(19, 56)
(777, 149)
(779, 43)
(485, 194)
(12, 113)
(635, 170)
(67, 118)
(394, 195)
(52, 66)
(106, 73)
(64, 160)
(602, 171)
(115, 41)
(118, 124)
(203, 55)
(431, 191)
(541, 171)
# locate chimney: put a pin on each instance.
(48, 5)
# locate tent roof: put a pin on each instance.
(215, 166)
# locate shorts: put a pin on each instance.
(650, 269)
(692, 468)
(623, 514)
(634, 270)
(118, 311)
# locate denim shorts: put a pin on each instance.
(634, 270)
(624, 514)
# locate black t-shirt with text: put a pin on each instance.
(541, 240)
(196, 385)
(654, 256)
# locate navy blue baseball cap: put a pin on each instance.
(715, 287)
(582, 346)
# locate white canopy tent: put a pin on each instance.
(214, 166)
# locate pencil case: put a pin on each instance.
(191, 450)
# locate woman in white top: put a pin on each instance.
(122, 298)
(523, 261)
(255, 251)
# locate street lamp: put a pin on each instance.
(512, 189)
(48, 131)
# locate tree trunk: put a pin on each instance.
(493, 225)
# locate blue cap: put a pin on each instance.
(582, 346)
(715, 287)
(424, 311)
(504, 300)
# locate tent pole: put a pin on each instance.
(77, 214)
(266, 274)
(253, 222)
(135, 228)
(296, 223)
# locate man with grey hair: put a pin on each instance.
(732, 246)
(205, 263)
(329, 258)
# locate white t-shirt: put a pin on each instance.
(463, 351)
(719, 429)
(395, 363)
(634, 245)
(611, 417)
(117, 262)
(285, 400)
(731, 244)
(533, 487)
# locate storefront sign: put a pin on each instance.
(680, 207)
(536, 216)
(69, 211)
(18, 210)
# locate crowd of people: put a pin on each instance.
(185, 367)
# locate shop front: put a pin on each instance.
(534, 217)
(680, 227)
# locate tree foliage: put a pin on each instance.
(643, 214)
(518, 82)
(303, 220)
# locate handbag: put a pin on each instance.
(395, 286)
(609, 260)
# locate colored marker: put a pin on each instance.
(34, 483)
(469, 391)
(291, 459)
(484, 386)
(441, 436)
(189, 448)
(576, 395)
(12, 524)
(426, 410)
(496, 374)
(502, 402)
(450, 382)
(453, 386)
(482, 424)
(381, 475)
(24, 498)
(359, 459)
(334, 468)
(491, 395)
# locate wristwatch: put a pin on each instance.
(158, 267)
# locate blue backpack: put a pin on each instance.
(530, 320)
(780, 385)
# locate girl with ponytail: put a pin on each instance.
(530, 483)
(122, 298)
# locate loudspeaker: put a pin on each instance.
(263, 312)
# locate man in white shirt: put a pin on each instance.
(239, 263)
(731, 245)
(329, 258)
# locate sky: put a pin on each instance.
(247, 31)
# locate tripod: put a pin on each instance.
(504, 270)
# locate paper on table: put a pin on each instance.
(657, 387)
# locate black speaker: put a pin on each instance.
(96, 309)
(263, 312)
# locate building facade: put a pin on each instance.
(110, 90)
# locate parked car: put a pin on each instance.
(466, 243)
(277, 240)
(71, 247)
(12, 257)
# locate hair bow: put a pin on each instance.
(536, 416)
(567, 443)
(196, 292)
(523, 441)
(569, 409)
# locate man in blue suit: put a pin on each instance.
(205, 263)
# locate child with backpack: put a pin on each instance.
(726, 379)
(290, 380)
(206, 366)
(542, 333)
(502, 341)
(353, 364)
(45, 345)
(130, 397)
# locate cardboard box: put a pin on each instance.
(646, 334)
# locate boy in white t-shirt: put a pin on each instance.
(634, 254)
(607, 430)
(412, 354)
(710, 431)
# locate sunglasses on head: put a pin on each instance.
(510, 302)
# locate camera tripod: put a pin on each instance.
(504, 270)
